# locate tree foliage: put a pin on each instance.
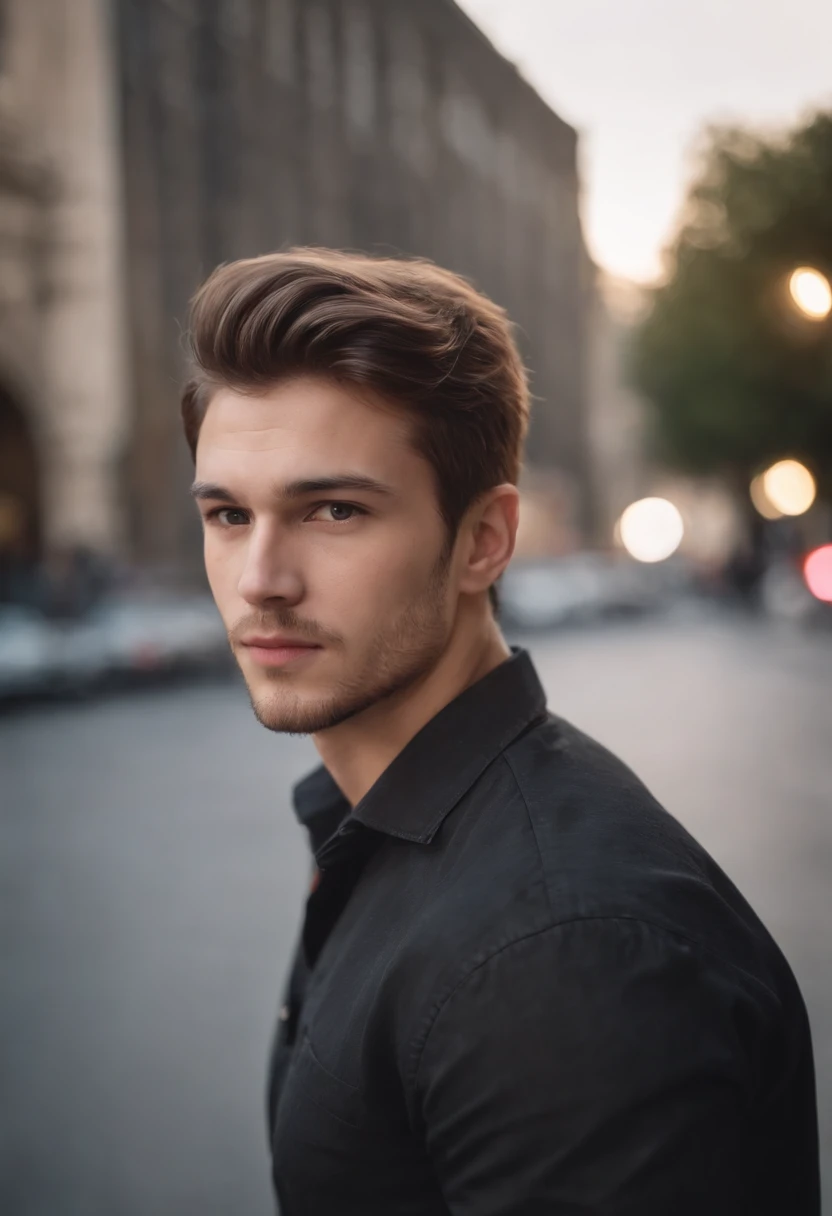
(737, 376)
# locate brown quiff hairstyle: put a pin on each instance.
(417, 336)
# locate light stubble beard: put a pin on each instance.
(400, 656)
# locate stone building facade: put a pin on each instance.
(154, 139)
(64, 396)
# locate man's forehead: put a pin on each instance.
(305, 430)
(313, 412)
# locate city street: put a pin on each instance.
(152, 877)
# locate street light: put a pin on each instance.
(789, 487)
(651, 529)
(811, 292)
(761, 500)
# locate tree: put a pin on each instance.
(736, 375)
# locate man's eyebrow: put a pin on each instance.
(207, 489)
(337, 482)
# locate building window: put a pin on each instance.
(508, 156)
(409, 95)
(360, 75)
(281, 44)
(236, 19)
(320, 53)
(518, 173)
(533, 183)
(468, 132)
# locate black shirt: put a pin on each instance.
(524, 988)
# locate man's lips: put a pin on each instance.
(278, 651)
(280, 641)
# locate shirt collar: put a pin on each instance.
(319, 806)
(434, 771)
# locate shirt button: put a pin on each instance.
(285, 1013)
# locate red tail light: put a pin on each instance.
(817, 570)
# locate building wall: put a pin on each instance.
(385, 125)
(61, 289)
(24, 216)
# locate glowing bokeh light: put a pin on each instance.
(760, 499)
(817, 570)
(651, 529)
(789, 487)
(811, 292)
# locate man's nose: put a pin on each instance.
(269, 572)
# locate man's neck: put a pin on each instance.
(358, 751)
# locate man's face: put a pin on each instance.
(324, 548)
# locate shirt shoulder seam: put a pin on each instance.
(505, 757)
(444, 1000)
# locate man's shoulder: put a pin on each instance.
(565, 831)
(593, 818)
(569, 779)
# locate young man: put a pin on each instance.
(522, 987)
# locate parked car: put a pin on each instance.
(25, 652)
(141, 634)
(579, 587)
(785, 596)
(126, 637)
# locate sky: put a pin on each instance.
(641, 79)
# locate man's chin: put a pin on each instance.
(278, 703)
(290, 714)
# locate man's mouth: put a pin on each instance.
(278, 650)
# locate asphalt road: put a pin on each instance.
(152, 875)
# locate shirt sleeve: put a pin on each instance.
(593, 1068)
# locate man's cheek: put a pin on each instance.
(221, 578)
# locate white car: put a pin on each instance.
(154, 633)
(25, 652)
(578, 587)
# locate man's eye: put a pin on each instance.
(337, 512)
(229, 517)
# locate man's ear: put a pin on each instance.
(492, 532)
